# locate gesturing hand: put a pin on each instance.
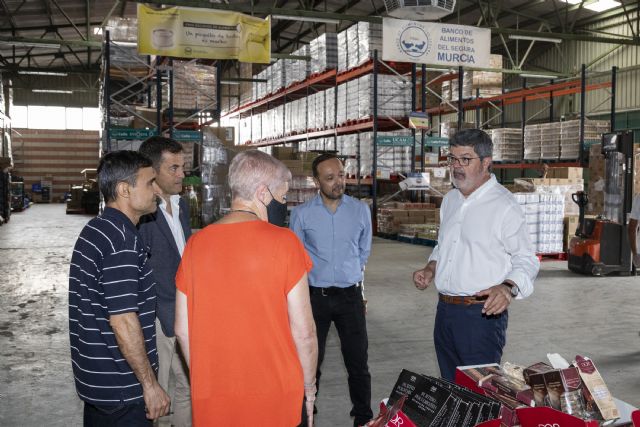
(423, 278)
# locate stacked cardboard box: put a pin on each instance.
(393, 216)
(448, 129)
(439, 179)
(324, 53)
(194, 85)
(507, 144)
(565, 181)
(486, 84)
(544, 214)
(296, 70)
(597, 178)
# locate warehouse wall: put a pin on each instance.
(570, 56)
(60, 154)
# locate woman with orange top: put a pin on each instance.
(243, 317)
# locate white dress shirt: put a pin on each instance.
(483, 241)
(173, 220)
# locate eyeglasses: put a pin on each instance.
(462, 161)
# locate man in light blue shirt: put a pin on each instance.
(336, 232)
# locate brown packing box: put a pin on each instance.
(393, 211)
(565, 173)
(597, 390)
(570, 226)
(149, 114)
(534, 377)
(226, 134)
(283, 153)
(513, 389)
(560, 381)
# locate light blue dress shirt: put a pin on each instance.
(339, 243)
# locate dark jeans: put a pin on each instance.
(464, 336)
(346, 311)
(116, 416)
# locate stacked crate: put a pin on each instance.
(507, 144)
(411, 218)
(550, 141)
(532, 142)
(570, 135)
(394, 96)
(194, 86)
(369, 40)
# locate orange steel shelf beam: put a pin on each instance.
(326, 77)
(364, 126)
(517, 96)
(535, 165)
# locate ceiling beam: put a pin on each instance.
(52, 27)
(12, 21)
(263, 10)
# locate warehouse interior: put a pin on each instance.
(555, 78)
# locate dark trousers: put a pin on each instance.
(464, 336)
(115, 416)
(346, 311)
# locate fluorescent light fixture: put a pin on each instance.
(602, 5)
(51, 91)
(229, 82)
(535, 38)
(572, 1)
(124, 44)
(538, 76)
(43, 73)
(307, 19)
(20, 43)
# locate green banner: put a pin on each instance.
(187, 135)
(436, 141)
(128, 133)
(394, 141)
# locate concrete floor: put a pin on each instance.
(567, 314)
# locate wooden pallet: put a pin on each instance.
(558, 256)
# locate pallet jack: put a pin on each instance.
(601, 245)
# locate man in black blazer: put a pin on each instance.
(166, 232)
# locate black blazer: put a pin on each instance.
(165, 259)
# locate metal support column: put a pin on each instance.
(523, 111)
(148, 85)
(460, 100)
(107, 90)
(413, 108)
(424, 108)
(218, 91)
(170, 115)
(583, 92)
(158, 97)
(551, 104)
(614, 73)
(374, 180)
(478, 109)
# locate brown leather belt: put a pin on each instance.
(461, 300)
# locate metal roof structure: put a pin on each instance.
(62, 35)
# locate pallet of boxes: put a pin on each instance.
(550, 211)
(408, 221)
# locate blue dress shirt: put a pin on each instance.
(339, 243)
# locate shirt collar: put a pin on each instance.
(478, 192)
(319, 202)
(119, 216)
(174, 199)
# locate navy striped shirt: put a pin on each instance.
(109, 274)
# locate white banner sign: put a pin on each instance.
(435, 44)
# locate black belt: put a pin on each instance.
(334, 290)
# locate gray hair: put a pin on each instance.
(253, 168)
(476, 138)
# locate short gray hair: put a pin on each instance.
(476, 138)
(253, 168)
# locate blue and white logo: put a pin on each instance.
(414, 41)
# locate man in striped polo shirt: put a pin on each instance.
(112, 301)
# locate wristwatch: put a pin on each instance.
(513, 288)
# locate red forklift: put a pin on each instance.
(601, 245)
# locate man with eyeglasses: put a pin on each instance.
(484, 259)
